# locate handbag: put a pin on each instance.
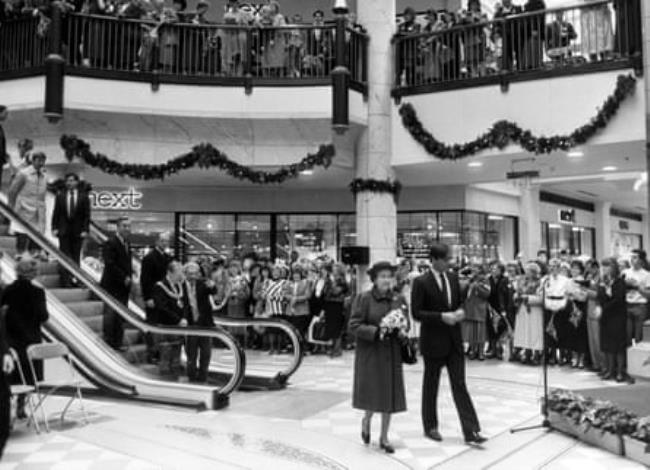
(316, 333)
(409, 352)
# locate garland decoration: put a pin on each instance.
(58, 185)
(359, 185)
(202, 156)
(504, 132)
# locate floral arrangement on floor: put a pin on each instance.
(394, 323)
(598, 414)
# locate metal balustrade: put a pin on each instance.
(110, 47)
(575, 39)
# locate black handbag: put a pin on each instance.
(409, 352)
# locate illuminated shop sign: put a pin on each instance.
(567, 216)
(129, 200)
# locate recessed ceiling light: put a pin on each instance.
(610, 168)
(575, 154)
(475, 164)
(307, 172)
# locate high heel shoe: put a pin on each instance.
(365, 431)
(386, 447)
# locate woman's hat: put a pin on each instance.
(381, 266)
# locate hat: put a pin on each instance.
(381, 266)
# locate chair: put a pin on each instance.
(25, 390)
(55, 350)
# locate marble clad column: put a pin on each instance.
(530, 229)
(603, 229)
(376, 213)
(645, 11)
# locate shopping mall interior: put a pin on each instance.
(311, 135)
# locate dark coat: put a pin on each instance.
(378, 375)
(437, 339)
(168, 310)
(80, 220)
(26, 312)
(499, 293)
(613, 321)
(203, 293)
(154, 269)
(117, 268)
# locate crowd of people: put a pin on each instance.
(156, 42)
(449, 45)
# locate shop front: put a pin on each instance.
(567, 226)
(626, 233)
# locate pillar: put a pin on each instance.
(603, 229)
(530, 228)
(645, 12)
(377, 213)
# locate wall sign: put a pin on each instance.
(623, 225)
(128, 200)
(568, 216)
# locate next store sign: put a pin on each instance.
(116, 200)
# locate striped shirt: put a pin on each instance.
(274, 296)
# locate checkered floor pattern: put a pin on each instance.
(55, 451)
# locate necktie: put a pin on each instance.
(445, 290)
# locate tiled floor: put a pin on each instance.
(311, 425)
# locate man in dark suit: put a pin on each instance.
(70, 222)
(116, 279)
(172, 310)
(7, 364)
(26, 312)
(197, 294)
(154, 269)
(436, 302)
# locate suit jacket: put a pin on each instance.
(203, 293)
(4, 157)
(437, 339)
(117, 267)
(168, 310)
(79, 222)
(26, 312)
(154, 269)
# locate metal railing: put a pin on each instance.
(23, 46)
(113, 47)
(604, 32)
(87, 343)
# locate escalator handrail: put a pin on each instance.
(288, 328)
(205, 332)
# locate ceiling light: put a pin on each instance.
(307, 172)
(554, 226)
(643, 179)
(495, 217)
(475, 164)
(575, 154)
(610, 168)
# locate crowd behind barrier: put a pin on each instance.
(145, 36)
(442, 46)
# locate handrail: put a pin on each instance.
(287, 327)
(214, 333)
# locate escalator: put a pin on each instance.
(263, 371)
(76, 319)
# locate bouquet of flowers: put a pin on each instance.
(394, 323)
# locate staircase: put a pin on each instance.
(79, 301)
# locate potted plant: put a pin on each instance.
(637, 444)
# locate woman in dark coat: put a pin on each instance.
(378, 376)
(613, 318)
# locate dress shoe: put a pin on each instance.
(434, 435)
(475, 438)
(365, 431)
(386, 447)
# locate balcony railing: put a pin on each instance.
(23, 47)
(594, 36)
(108, 47)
